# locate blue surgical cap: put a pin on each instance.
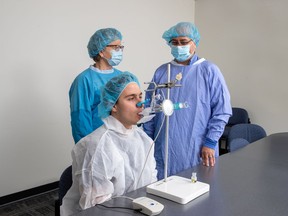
(112, 90)
(182, 29)
(101, 38)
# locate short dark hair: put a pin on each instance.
(97, 58)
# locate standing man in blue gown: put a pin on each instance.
(194, 131)
(105, 49)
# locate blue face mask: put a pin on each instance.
(116, 57)
(181, 53)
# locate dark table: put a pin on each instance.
(250, 181)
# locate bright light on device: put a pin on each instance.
(167, 107)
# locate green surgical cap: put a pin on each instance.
(101, 38)
(112, 90)
(182, 29)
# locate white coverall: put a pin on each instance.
(108, 163)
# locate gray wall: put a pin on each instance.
(247, 39)
(43, 48)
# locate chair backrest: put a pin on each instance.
(65, 183)
(239, 116)
(249, 132)
(237, 143)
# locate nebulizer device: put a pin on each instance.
(158, 103)
(186, 189)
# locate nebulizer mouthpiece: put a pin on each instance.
(139, 104)
(149, 112)
(153, 108)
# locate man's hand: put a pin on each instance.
(208, 156)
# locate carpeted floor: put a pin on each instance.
(43, 204)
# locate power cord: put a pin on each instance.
(120, 207)
(149, 152)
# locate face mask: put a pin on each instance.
(181, 53)
(116, 57)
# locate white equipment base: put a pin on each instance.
(178, 189)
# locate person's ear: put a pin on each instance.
(193, 45)
(114, 108)
(101, 54)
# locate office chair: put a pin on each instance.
(65, 183)
(249, 132)
(237, 143)
(239, 116)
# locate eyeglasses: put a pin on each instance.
(179, 43)
(116, 47)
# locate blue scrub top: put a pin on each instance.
(84, 98)
(205, 91)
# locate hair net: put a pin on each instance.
(112, 90)
(101, 38)
(182, 29)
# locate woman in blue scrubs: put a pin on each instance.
(105, 49)
(194, 131)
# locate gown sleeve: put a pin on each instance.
(81, 100)
(94, 174)
(220, 104)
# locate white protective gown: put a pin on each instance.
(108, 163)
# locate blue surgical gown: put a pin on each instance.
(84, 95)
(205, 91)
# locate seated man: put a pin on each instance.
(109, 161)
